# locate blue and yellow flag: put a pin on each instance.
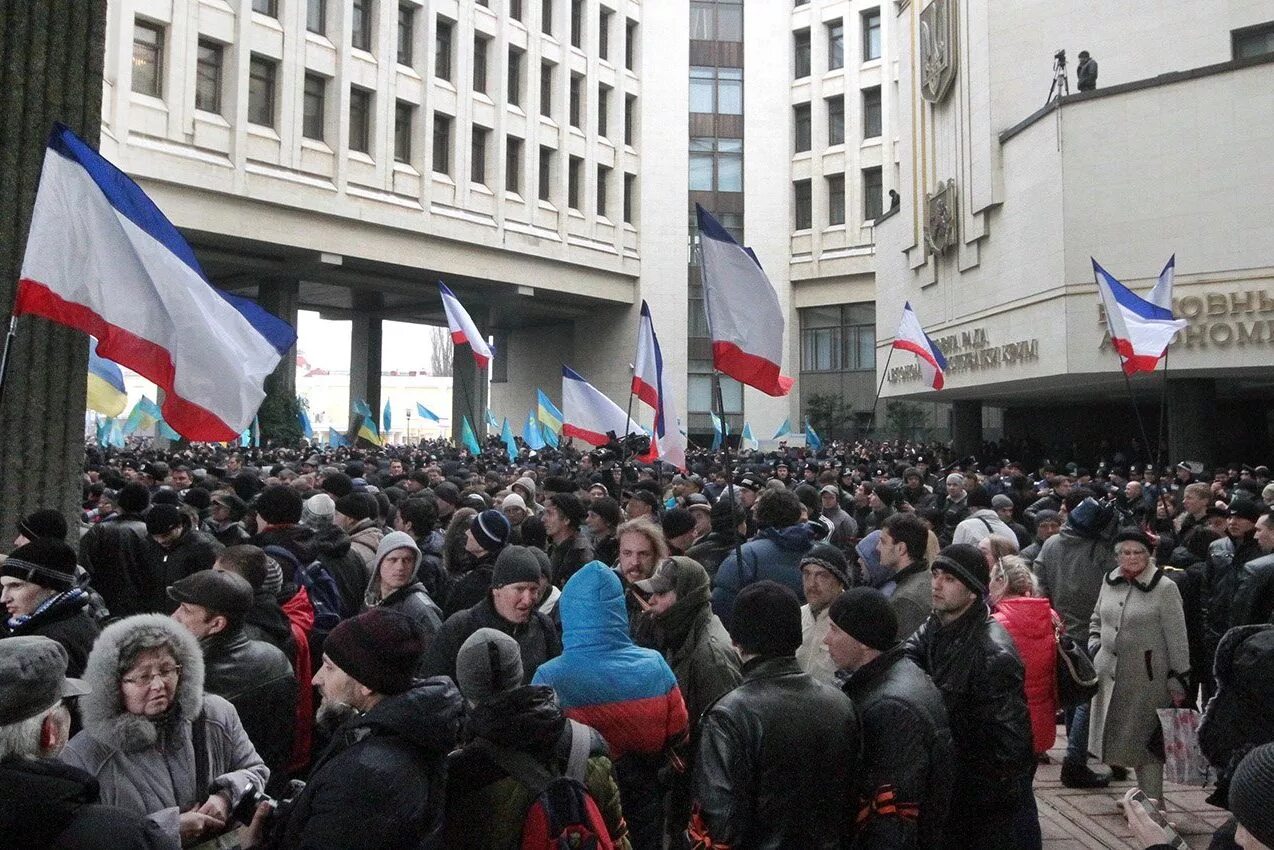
(366, 430)
(550, 437)
(106, 393)
(144, 414)
(467, 437)
(548, 413)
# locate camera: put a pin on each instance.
(1060, 57)
(252, 798)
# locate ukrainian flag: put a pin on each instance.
(367, 431)
(144, 414)
(106, 393)
(548, 413)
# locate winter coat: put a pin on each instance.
(844, 528)
(411, 599)
(907, 753)
(1254, 600)
(568, 557)
(67, 815)
(433, 575)
(537, 638)
(1070, 568)
(332, 549)
(147, 766)
(1186, 572)
(163, 566)
(975, 666)
(980, 525)
(66, 621)
(912, 599)
(775, 764)
(380, 783)
(711, 549)
(300, 613)
(814, 656)
(1222, 575)
(266, 621)
(470, 587)
(486, 806)
(364, 538)
(300, 540)
(111, 552)
(1137, 637)
(699, 651)
(1238, 716)
(775, 553)
(231, 534)
(1030, 621)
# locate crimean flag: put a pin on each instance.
(102, 258)
(746, 440)
(1161, 295)
(744, 316)
(510, 444)
(468, 438)
(106, 393)
(463, 330)
(426, 413)
(646, 366)
(548, 413)
(590, 415)
(1139, 330)
(911, 337)
(784, 429)
(812, 439)
(531, 433)
(666, 441)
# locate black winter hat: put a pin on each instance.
(380, 649)
(447, 492)
(162, 518)
(44, 523)
(965, 562)
(608, 509)
(864, 613)
(570, 507)
(356, 506)
(726, 515)
(1252, 794)
(830, 558)
(515, 564)
(219, 592)
(766, 619)
(677, 522)
(490, 530)
(44, 561)
(280, 504)
(1134, 535)
(133, 498)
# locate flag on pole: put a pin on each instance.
(812, 439)
(548, 413)
(718, 432)
(648, 385)
(303, 417)
(256, 431)
(166, 433)
(1161, 295)
(590, 414)
(106, 393)
(463, 330)
(387, 418)
(550, 437)
(335, 438)
(784, 429)
(143, 415)
(510, 444)
(102, 258)
(911, 337)
(531, 433)
(426, 413)
(746, 440)
(744, 316)
(365, 429)
(646, 367)
(115, 437)
(468, 438)
(245, 439)
(491, 423)
(1139, 330)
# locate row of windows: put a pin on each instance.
(873, 200)
(838, 338)
(835, 40)
(802, 122)
(716, 20)
(716, 90)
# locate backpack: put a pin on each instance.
(563, 815)
(324, 595)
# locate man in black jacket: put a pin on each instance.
(112, 552)
(254, 676)
(904, 786)
(972, 660)
(40, 597)
(778, 755)
(172, 551)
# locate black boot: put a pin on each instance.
(1081, 776)
(1117, 773)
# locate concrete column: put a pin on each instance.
(281, 296)
(1192, 419)
(966, 427)
(364, 353)
(51, 54)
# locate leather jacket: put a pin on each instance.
(257, 679)
(776, 760)
(976, 667)
(112, 553)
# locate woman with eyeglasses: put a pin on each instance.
(1137, 637)
(145, 717)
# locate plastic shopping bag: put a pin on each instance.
(1183, 761)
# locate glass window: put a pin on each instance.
(603, 110)
(513, 165)
(404, 114)
(716, 165)
(574, 177)
(801, 124)
(701, 165)
(515, 9)
(716, 20)
(360, 120)
(801, 49)
(208, 77)
(703, 88)
(630, 45)
(478, 155)
(361, 25)
(729, 21)
(730, 165)
(718, 90)
(871, 113)
(546, 89)
(838, 338)
(406, 33)
(630, 119)
(603, 187)
(480, 63)
(266, 7)
(836, 199)
(442, 50)
(261, 73)
(148, 58)
(546, 17)
(576, 103)
(835, 45)
(630, 189)
(872, 194)
(804, 204)
(514, 84)
(729, 91)
(577, 23)
(316, 16)
(314, 107)
(871, 35)
(703, 20)
(442, 143)
(546, 172)
(836, 120)
(603, 34)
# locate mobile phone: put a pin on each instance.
(1175, 841)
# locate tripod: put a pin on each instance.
(1061, 85)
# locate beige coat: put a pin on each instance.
(1141, 632)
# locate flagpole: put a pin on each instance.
(4, 356)
(1163, 413)
(729, 467)
(464, 387)
(1132, 399)
(880, 388)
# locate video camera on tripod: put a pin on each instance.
(1060, 84)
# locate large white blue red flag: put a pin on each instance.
(912, 337)
(1139, 329)
(589, 415)
(646, 366)
(462, 327)
(666, 440)
(1161, 295)
(744, 316)
(103, 259)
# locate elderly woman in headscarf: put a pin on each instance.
(156, 742)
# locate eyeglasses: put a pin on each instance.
(1131, 553)
(167, 674)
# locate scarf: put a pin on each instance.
(74, 595)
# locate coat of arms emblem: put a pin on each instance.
(937, 50)
(940, 218)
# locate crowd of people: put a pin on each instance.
(415, 647)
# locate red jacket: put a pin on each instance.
(1029, 621)
(300, 613)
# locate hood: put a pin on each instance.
(878, 574)
(594, 615)
(1029, 616)
(795, 538)
(428, 715)
(526, 718)
(529, 483)
(1245, 653)
(390, 542)
(297, 539)
(331, 542)
(103, 710)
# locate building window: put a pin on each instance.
(836, 120)
(513, 165)
(266, 7)
(836, 199)
(360, 120)
(574, 176)
(716, 165)
(546, 17)
(148, 59)
(546, 89)
(873, 202)
(630, 119)
(404, 114)
(515, 9)
(546, 173)
(478, 155)
(801, 50)
(835, 45)
(406, 33)
(360, 32)
(716, 20)
(208, 77)
(801, 124)
(442, 50)
(630, 189)
(630, 45)
(603, 188)
(313, 107)
(316, 16)
(576, 105)
(577, 24)
(871, 113)
(838, 338)
(480, 64)
(603, 110)
(733, 224)
(871, 35)
(442, 144)
(716, 90)
(1253, 41)
(804, 205)
(261, 72)
(603, 34)
(514, 83)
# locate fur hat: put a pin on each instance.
(766, 619)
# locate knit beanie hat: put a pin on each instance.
(515, 564)
(967, 563)
(380, 649)
(279, 504)
(726, 515)
(1252, 794)
(864, 613)
(447, 492)
(318, 511)
(46, 522)
(133, 498)
(767, 619)
(490, 530)
(677, 522)
(161, 519)
(356, 506)
(830, 558)
(44, 561)
(489, 663)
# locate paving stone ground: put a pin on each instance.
(1077, 819)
